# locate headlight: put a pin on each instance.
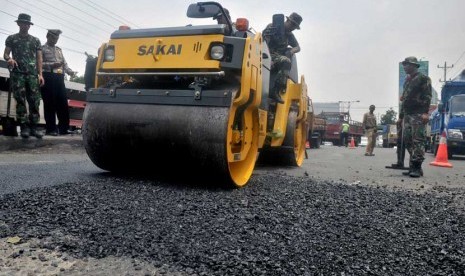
(109, 54)
(217, 52)
(454, 134)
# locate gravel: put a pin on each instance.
(276, 225)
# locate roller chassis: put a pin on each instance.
(211, 117)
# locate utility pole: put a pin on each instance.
(445, 67)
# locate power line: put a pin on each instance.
(106, 23)
(56, 16)
(14, 16)
(109, 11)
(46, 28)
(445, 67)
(8, 32)
(72, 15)
(104, 11)
(459, 57)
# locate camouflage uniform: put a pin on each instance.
(279, 55)
(24, 78)
(416, 100)
(400, 146)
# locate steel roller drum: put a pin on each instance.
(155, 139)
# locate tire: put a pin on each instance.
(318, 143)
(289, 154)
(315, 143)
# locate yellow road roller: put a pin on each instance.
(191, 99)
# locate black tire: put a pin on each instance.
(318, 143)
(315, 142)
(284, 155)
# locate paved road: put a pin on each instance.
(321, 219)
(31, 163)
(56, 160)
(350, 165)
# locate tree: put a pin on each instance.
(389, 117)
(79, 79)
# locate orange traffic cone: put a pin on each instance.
(441, 156)
(352, 143)
(307, 145)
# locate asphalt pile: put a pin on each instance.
(277, 225)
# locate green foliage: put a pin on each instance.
(389, 118)
(79, 79)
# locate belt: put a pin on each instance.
(55, 71)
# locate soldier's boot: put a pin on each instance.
(274, 95)
(416, 171)
(412, 170)
(36, 132)
(25, 131)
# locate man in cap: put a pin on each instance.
(416, 99)
(369, 124)
(281, 54)
(54, 90)
(26, 75)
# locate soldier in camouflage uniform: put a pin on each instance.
(416, 100)
(26, 75)
(281, 54)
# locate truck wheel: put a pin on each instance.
(318, 143)
(315, 143)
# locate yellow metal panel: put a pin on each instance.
(263, 117)
(296, 94)
(177, 52)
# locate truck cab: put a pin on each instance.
(449, 117)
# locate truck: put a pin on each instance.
(449, 117)
(316, 128)
(334, 122)
(75, 93)
(193, 99)
(389, 135)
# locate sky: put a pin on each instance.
(350, 50)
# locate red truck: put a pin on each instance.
(334, 121)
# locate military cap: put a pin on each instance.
(411, 60)
(25, 18)
(296, 19)
(372, 106)
(54, 32)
